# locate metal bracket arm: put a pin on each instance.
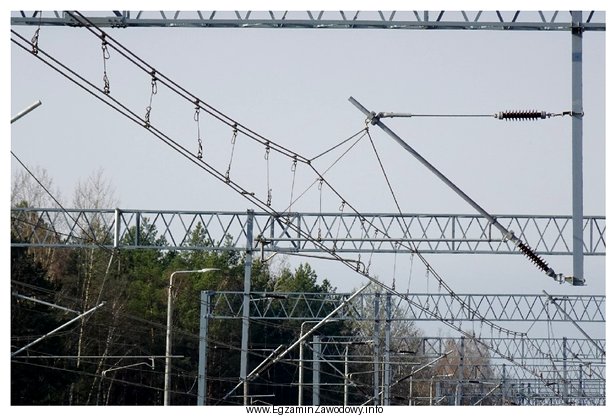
(374, 119)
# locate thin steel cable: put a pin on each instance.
(378, 158)
(338, 145)
(409, 115)
(321, 177)
(103, 35)
(429, 268)
(244, 193)
(250, 196)
(58, 202)
(258, 203)
(179, 90)
(42, 227)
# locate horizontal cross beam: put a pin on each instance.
(401, 20)
(340, 232)
(431, 347)
(501, 308)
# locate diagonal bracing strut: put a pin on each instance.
(375, 119)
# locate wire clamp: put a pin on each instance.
(373, 118)
(510, 236)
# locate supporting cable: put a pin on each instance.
(378, 158)
(116, 105)
(365, 129)
(552, 300)
(176, 88)
(57, 202)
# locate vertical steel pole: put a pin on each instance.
(458, 396)
(345, 401)
(168, 344)
(577, 143)
(375, 338)
(565, 377)
(300, 384)
(504, 386)
(411, 387)
(387, 366)
(137, 241)
(507, 235)
(580, 385)
(116, 228)
(203, 347)
(316, 369)
(246, 304)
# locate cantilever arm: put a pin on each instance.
(374, 119)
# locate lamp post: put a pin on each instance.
(166, 400)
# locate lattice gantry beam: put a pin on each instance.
(583, 377)
(336, 349)
(411, 19)
(310, 306)
(340, 232)
(515, 348)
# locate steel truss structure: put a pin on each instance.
(503, 308)
(583, 382)
(404, 20)
(342, 232)
(526, 370)
(572, 371)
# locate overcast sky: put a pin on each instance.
(292, 86)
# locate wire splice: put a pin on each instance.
(521, 115)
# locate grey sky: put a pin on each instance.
(292, 87)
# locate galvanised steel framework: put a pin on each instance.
(504, 308)
(516, 348)
(575, 22)
(344, 232)
(582, 380)
(577, 383)
(415, 19)
(526, 369)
